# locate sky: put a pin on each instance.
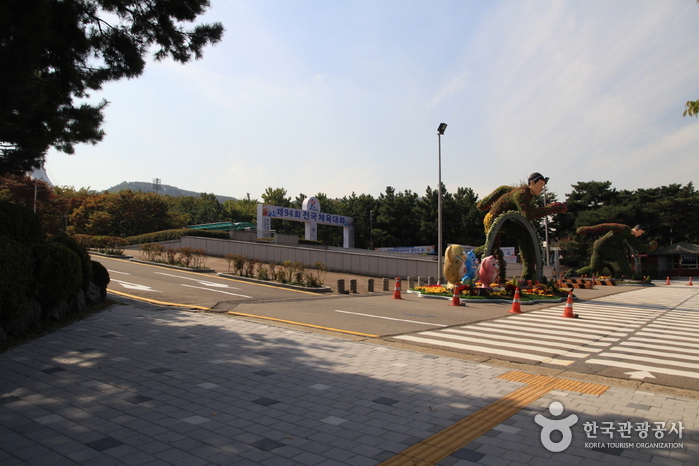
(341, 97)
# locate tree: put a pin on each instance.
(363, 209)
(54, 52)
(691, 108)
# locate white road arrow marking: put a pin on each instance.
(135, 286)
(640, 374)
(202, 282)
(217, 291)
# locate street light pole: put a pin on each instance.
(440, 131)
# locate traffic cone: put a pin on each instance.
(516, 309)
(568, 311)
(455, 299)
(689, 283)
(667, 280)
(396, 290)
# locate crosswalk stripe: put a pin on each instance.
(653, 360)
(519, 332)
(675, 338)
(665, 347)
(639, 367)
(653, 353)
(482, 349)
(665, 342)
(578, 324)
(556, 344)
(480, 340)
(553, 330)
(666, 333)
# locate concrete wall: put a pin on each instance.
(355, 261)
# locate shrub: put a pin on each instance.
(316, 277)
(100, 275)
(57, 273)
(16, 278)
(152, 251)
(171, 255)
(185, 256)
(169, 235)
(85, 265)
(230, 260)
(109, 244)
(249, 268)
(19, 223)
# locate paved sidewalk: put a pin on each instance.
(142, 385)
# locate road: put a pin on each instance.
(639, 334)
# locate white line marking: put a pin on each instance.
(688, 365)
(669, 334)
(682, 345)
(198, 280)
(116, 271)
(655, 353)
(431, 324)
(629, 365)
(554, 331)
(216, 291)
(480, 337)
(135, 286)
(538, 341)
(482, 349)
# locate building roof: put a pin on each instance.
(677, 248)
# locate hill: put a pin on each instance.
(164, 189)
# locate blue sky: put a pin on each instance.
(346, 96)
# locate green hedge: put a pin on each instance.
(57, 272)
(169, 235)
(16, 278)
(80, 250)
(19, 223)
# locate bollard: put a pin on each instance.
(420, 281)
(384, 286)
(370, 285)
(353, 285)
(341, 286)
(411, 283)
(430, 281)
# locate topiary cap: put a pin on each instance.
(536, 176)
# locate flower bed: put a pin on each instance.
(530, 292)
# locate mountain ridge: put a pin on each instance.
(147, 187)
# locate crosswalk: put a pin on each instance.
(654, 329)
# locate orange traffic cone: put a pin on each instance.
(516, 309)
(568, 311)
(455, 299)
(689, 283)
(396, 290)
(667, 280)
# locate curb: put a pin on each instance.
(176, 267)
(111, 256)
(324, 289)
(493, 300)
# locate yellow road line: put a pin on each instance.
(303, 324)
(200, 274)
(432, 450)
(162, 303)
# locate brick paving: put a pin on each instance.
(148, 385)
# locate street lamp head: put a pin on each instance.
(441, 128)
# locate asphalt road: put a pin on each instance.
(646, 335)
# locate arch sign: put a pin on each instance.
(310, 214)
